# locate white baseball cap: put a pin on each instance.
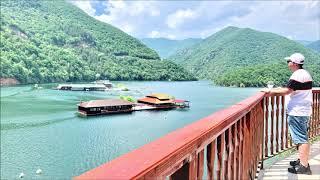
(297, 58)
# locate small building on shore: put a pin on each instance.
(107, 106)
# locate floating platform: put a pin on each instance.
(101, 85)
(111, 106)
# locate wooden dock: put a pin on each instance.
(279, 170)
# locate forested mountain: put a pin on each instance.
(52, 41)
(315, 46)
(166, 47)
(245, 57)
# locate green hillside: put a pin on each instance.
(52, 41)
(315, 46)
(166, 47)
(242, 56)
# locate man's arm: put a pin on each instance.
(278, 91)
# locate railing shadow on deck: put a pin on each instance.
(229, 144)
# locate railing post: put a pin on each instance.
(241, 152)
(228, 153)
(221, 152)
(235, 152)
(200, 164)
(318, 112)
(277, 122)
(232, 151)
(246, 149)
(262, 130)
(260, 121)
(272, 119)
(282, 121)
(266, 132)
(211, 151)
(193, 166)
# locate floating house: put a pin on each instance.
(163, 101)
(108, 106)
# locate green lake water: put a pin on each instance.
(40, 127)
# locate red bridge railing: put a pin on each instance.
(229, 144)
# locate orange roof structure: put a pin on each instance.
(154, 100)
(160, 96)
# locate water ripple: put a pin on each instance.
(11, 126)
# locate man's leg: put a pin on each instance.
(304, 150)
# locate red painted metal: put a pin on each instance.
(277, 122)
(237, 152)
(272, 126)
(266, 119)
(211, 152)
(200, 164)
(283, 116)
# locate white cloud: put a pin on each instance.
(85, 6)
(179, 17)
(174, 19)
(129, 16)
(300, 19)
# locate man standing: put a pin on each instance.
(299, 110)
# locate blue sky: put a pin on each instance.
(298, 20)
